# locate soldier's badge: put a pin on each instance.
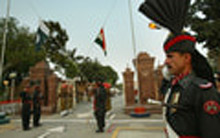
(176, 97)
(175, 100)
(211, 107)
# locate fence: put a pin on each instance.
(10, 107)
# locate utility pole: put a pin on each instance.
(4, 41)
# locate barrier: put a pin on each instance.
(10, 107)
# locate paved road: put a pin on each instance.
(81, 124)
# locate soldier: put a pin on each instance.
(26, 108)
(193, 90)
(192, 101)
(36, 106)
(100, 105)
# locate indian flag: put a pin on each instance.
(100, 40)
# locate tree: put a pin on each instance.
(110, 75)
(204, 20)
(93, 70)
(57, 53)
(20, 53)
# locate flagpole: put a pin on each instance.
(134, 47)
(4, 41)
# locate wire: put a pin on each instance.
(109, 13)
(34, 9)
(105, 21)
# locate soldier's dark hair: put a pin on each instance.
(202, 68)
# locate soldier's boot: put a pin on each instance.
(100, 130)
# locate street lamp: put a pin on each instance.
(12, 76)
(4, 40)
(5, 82)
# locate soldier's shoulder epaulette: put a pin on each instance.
(206, 86)
(202, 84)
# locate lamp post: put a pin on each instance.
(4, 41)
(12, 76)
(5, 82)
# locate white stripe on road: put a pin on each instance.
(85, 115)
(49, 131)
(44, 135)
(117, 121)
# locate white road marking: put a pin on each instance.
(44, 134)
(57, 129)
(64, 113)
(86, 120)
(84, 115)
(51, 130)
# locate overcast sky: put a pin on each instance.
(83, 19)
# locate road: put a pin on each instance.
(81, 124)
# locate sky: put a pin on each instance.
(83, 19)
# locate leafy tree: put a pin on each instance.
(110, 75)
(93, 70)
(57, 52)
(19, 53)
(73, 70)
(119, 86)
(89, 69)
(72, 55)
(204, 20)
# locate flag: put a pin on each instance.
(42, 35)
(100, 40)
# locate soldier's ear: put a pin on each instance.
(188, 58)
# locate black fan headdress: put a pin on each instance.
(168, 13)
(171, 14)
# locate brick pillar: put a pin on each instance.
(158, 82)
(41, 75)
(146, 80)
(40, 72)
(52, 91)
(128, 76)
